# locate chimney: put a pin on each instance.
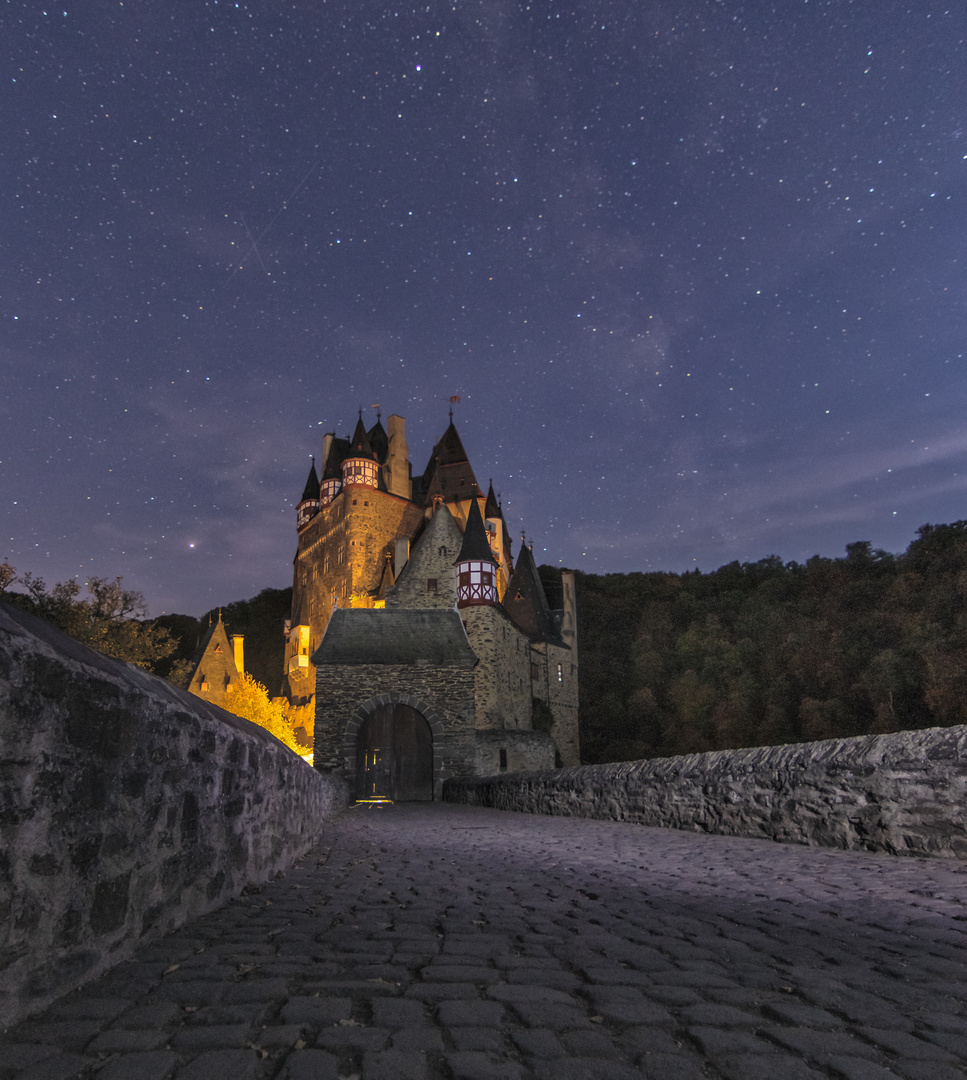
(237, 640)
(397, 467)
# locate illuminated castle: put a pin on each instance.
(417, 650)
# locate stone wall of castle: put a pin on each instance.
(557, 684)
(502, 679)
(127, 807)
(904, 793)
(341, 555)
(428, 579)
(513, 751)
(342, 690)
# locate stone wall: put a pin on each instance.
(904, 793)
(344, 690)
(127, 807)
(521, 750)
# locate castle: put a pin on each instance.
(417, 649)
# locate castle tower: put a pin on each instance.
(475, 565)
(309, 503)
(360, 465)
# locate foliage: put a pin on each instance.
(770, 652)
(249, 699)
(110, 618)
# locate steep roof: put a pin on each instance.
(492, 507)
(312, 485)
(526, 603)
(360, 446)
(379, 441)
(448, 473)
(338, 451)
(214, 664)
(475, 544)
(405, 636)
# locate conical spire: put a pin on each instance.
(309, 503)
(492, 507)
(475, 544)
(361, 447)
(476, 565)
(312, 484)
(525, 600)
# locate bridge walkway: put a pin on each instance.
(437, 942)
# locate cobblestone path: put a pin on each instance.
(446, 942)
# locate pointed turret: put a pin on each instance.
(492, 507)
(335, 451)
(309, 503)
(526, 602)
(476, 565)
(360, 465)
(378, 440)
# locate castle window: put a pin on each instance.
(535, 672)
(218, 648)
(560, 673)
(431, 584)
(503, 759)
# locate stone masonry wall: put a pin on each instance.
(341, 689)
(904, 793)
(127, 807)
(522, 750)
(502, 683)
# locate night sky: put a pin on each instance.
(696, 271)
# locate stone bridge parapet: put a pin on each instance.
(127, 807)
(903, 793)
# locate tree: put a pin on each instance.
(110, 620)
(7, 576)
(250, 700)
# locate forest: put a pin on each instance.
(774, 652)
(751, 654)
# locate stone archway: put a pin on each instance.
(394, 755)
(392, 747)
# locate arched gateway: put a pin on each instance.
(394, 755)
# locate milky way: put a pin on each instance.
(695, 271)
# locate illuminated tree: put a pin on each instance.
(250, 700)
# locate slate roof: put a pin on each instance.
(448, 472)
(526, 602)
(402, 636)
(338, 452)
(361, 446)
(312, 485)
(379, 441)
(475, 542)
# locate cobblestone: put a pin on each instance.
(433, 942)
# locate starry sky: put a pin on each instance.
(695, 269)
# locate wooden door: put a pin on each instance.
(394, 756)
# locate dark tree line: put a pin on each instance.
(770, 652)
